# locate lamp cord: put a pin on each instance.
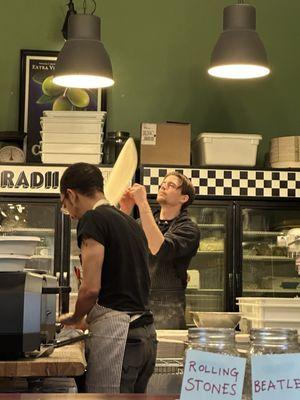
(95, 6)
(84, 7)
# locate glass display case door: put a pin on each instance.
(20, 216)
(269, 251)
(210, 274)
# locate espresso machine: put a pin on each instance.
(27, 311)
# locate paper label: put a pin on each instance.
(148, 134)
(276, 377)
(210, 376)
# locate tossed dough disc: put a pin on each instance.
(122, 173)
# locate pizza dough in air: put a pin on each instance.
(122, 173)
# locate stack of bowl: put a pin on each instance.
(284, 152)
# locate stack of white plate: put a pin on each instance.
(284, 152)
(15, 251)
(72, 136)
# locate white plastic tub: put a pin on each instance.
(75, 114)
(258, 323)
(21, 245)
(53, 137)
(71, 148)
(12, 262)
(225, 149)
(270, 309)
(71, 127)
(63, 158)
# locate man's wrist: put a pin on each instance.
(75, 318)
(144, 208)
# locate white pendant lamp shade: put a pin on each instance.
(83, 61)
(239, 52)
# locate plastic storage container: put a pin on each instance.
(71, 127)
(20, 245)
(12, 262)
(272, 312)
(50, 137)
(225, 149)
(62, 158)
(71, 148)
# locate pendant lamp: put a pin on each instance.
(239, 52)
(83, 61)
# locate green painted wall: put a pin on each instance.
(160, 50)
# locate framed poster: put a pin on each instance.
(39, 93)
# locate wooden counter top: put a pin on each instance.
(82, 396)
(66, 361)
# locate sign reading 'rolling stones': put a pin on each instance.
(34, 179)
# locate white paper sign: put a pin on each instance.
(210, 376)
(148, 134)
(276, 377)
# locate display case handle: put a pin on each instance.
(56, 290)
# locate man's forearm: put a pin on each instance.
(85, 302)
(154, 236)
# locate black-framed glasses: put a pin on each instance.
(169, 185)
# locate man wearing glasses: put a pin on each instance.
(173, 239)
(114, 293)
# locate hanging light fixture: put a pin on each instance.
(83, 61)
(71, 11)
(239, 52)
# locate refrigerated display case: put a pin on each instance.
(208, 285)
(247, 246)
(38, 217)
(267, 262)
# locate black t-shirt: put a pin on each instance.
(125, 281)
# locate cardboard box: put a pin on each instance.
(167, 143)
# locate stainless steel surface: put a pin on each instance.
(216, 319)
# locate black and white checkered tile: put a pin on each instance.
(229, 182)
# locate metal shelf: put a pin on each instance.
(262, 233)
(191, 293)
(30, 231)
(211, 226)
(210, 253)
(268, 258)
(40, 257)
